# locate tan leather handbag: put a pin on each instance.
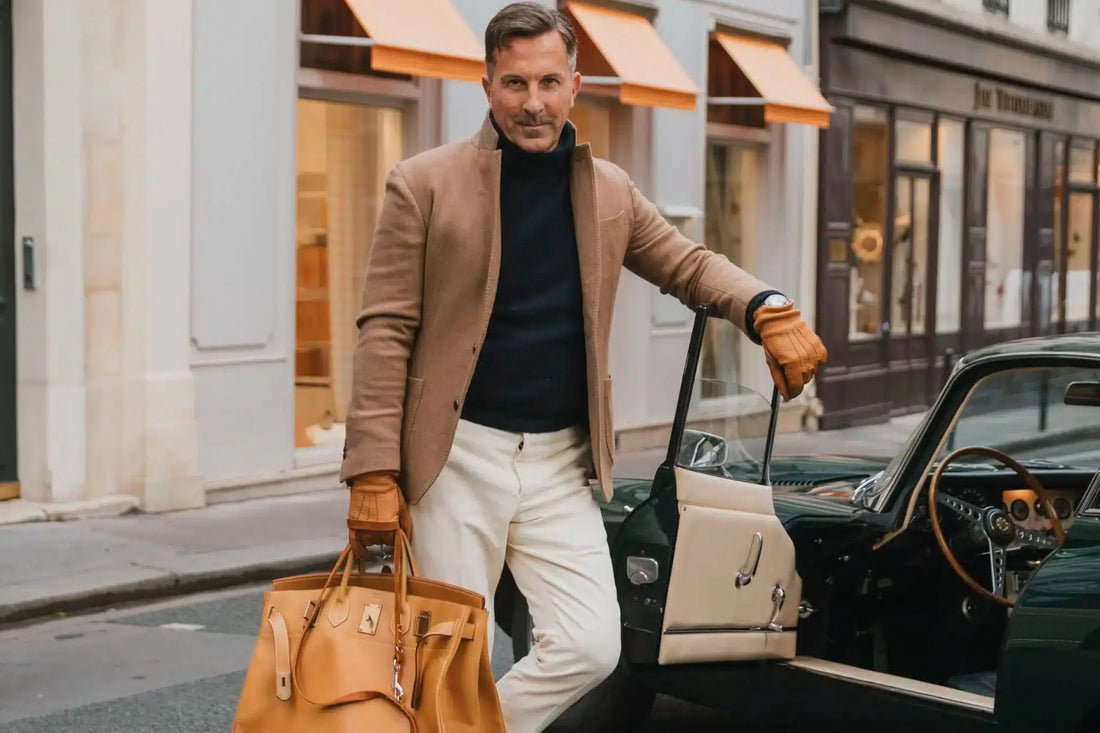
(375, 652)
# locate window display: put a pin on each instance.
(1005, 278)
(1079, 256)
(951, 140)
(730, 230)
(345, 153)
(870, 158)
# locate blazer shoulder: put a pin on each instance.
(423, 168)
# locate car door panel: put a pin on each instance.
(709, 616)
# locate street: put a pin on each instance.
(172, 666)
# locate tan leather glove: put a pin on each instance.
(793, 350)
(376, 510)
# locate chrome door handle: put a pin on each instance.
(756, 549)
(779, 597)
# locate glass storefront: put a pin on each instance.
(1004, 255)
(951, 143)
(345, 152)
(870, 161)
(731, 223)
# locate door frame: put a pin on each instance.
(914, 351)
(9, 446)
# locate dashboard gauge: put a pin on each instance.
(1062, 507)
(972, 497)
(1040, 508)
(1020, 510)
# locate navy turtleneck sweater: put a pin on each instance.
(531, 374)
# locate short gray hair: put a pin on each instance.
(527, 20)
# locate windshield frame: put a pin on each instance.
(910, 467)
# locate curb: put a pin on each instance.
(165, 586)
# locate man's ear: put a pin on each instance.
(487, 86)
(576, 84)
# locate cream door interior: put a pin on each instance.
(734, 592)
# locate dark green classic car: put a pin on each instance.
(955, 588)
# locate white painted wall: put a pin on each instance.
(242, 284)
(49, 206)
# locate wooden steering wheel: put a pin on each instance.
(995, 524)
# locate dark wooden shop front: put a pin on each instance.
(957, 204)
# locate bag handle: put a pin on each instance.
(404, 565)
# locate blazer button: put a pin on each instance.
(456, 405)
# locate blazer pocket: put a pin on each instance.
(414, 391)
(608, 421)
(613, 229)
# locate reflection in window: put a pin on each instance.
(1004, 267)
(914, 141)
(949, 275)
(870, 157)
(344, 155)
(1056, 274)
(1079, 256)
(1081, 167)
(730, 230)
(1023, 412)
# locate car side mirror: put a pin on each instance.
(703, 450)
(1086, 394)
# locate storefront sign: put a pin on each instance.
(1006, 101)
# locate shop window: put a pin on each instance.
(1082, 167)
(870, 159)
(951, 143)
(592, 119)
(1056, 271)
(1079, 256)
(1004, 267)
(345, 153)
(909, 263)
(914, 141)
(731, 206)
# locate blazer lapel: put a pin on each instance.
(582, 187)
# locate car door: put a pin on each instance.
(1047, 678)
(707, 571)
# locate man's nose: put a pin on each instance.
(533, 105)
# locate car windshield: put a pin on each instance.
(1023, 412)
(726, 431)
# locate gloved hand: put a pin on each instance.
(792, 349)
(376, 510)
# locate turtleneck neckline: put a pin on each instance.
(551, 160)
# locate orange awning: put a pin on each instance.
(420, 38)
(787, 94)
(629, 49)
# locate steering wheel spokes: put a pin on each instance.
(994, 523)
(998, 562)
(1030, 538)
(964, 509)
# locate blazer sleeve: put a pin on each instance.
(685, 269)
(388, 325)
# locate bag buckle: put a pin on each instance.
(398, 691)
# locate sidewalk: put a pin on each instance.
(61, 567)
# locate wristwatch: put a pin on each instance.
(776, 299)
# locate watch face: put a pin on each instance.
(776, 299)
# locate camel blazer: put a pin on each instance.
(431, 282)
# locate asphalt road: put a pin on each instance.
(172, 666)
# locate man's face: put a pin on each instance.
(531, 91)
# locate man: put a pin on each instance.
(480, 376)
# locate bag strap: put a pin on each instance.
(282, 654)
(404, 565)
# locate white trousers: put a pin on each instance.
(524, 499)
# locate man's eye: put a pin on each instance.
(550, 82)
(516, 83)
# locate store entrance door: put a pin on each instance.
(9, 488)
(912, 298)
